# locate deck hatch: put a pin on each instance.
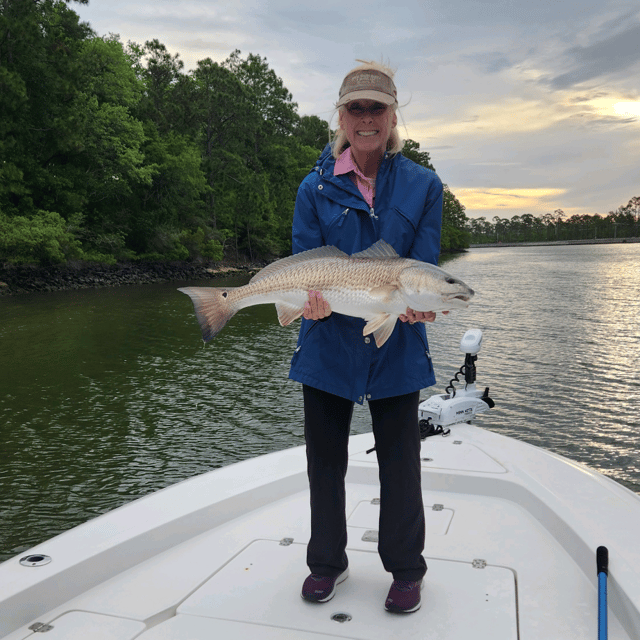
(81, 625)
(437, 517)
(456, 455)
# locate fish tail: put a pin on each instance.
(213, 308)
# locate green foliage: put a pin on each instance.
(454, 236)
(619, 224)
(42, 238)
(313, 132)
(411, 150)
(199, 245)
(111, 152)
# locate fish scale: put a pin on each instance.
(376, 285)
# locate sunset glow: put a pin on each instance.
(627, 108)
(509, 199)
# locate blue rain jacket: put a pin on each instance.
(332, 354)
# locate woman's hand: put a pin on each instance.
(419, 316)
(316, 307)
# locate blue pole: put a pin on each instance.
(602, 561)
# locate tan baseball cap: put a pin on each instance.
(367, 84)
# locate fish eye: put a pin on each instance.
(451, 281)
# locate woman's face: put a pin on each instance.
(368, 125)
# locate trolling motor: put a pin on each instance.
(462, 405)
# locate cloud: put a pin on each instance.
(495, 164)
(488, 61)
(613, 55)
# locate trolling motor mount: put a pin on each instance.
(461, 405)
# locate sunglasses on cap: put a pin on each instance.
(356, 109)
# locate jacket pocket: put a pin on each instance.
(306, 333)
(406, 219)
(399, 229)
(337, 220)
(422, 336)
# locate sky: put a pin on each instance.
(525, 106)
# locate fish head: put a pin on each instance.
(425, 287)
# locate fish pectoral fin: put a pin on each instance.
(375, 323)
(384, 293)
(381, 326)
(382, 334)
(287, 313)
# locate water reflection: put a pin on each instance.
(561, 349)
(108, 395)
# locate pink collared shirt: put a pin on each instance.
(345, 164)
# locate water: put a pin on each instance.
(108, 394)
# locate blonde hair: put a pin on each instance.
(339, 140)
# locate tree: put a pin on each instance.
(160, 75)
(271, 98)
(39, 44)
(227, 122)
(313, 132)
(454, 234)
(526, 222)
(411, 150)
(632, 208)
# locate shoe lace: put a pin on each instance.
(404, 585)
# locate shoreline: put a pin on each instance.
(30, 278)
(19, 279)
(552, 243)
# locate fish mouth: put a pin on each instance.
(465, 297)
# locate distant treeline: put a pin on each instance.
(112, 152)
(621, 223)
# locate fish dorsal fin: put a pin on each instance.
(381, 250)
(298, 258)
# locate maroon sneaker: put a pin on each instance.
(404, 596)
(318, 588)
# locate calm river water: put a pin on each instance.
(109, 394)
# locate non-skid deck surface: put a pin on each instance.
(257, 595)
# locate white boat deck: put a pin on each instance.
(511, 539)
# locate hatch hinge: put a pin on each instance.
(479, 563)
(437, 507)
(285, 542)
(40, 627)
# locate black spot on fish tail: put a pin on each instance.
(212, 309)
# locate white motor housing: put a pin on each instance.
(445, 410)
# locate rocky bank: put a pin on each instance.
(16, 279)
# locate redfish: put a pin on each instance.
(376, 285)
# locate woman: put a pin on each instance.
(361, 190)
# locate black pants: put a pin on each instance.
(397, 436)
